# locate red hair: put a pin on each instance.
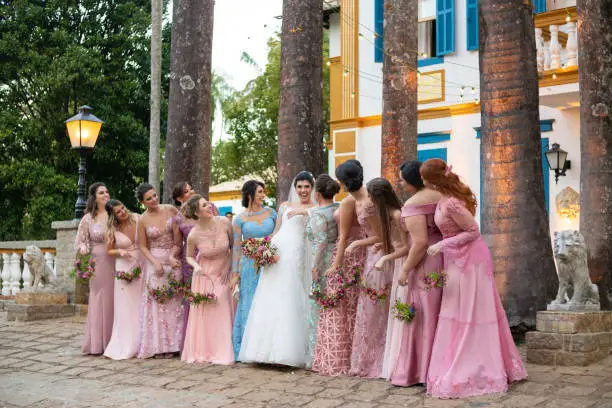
(439, 175)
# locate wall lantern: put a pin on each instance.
(557, 161)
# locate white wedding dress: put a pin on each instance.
(277, 327)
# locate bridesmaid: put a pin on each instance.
(409, 364)
(378, 217)
(159, 242)
(473, 351)
(121, 244)
(209, 330)
(90, 239)
(336, 324)
(322, 233)
(181, 192)
(256, 222)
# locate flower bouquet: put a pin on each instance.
(332, 299)
(161, 294)
(376, 295)
(434, 280)
(84, 267)
(179, 288)
(403, 311)
(128, 276)
(198, 298)
(260, 250)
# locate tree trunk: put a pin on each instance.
(154, 131)
(514, 217)
(399, 114)
(595, 78)
(188, 141)
(300, 118)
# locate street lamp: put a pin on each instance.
(83, 129)
(557, 161)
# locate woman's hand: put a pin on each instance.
(380, 263)
(350, 248)
(83, 251)
(315, 274)
(403, 278)
(234, 281)
(293, 213)
(197, 270)
(433, 250)
(173, 262)
(377, 246)
(159, 269)
(331, 271)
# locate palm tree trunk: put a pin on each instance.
(187, 156)
(399, 114)
(514, 217)
(595, 79)
(154, 131)
(300, 119)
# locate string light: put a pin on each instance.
(418, 74)
(361, 36)
(569, 17)
(328, 63)
(554, 75)
(346, 72)
(353, 95)
(473, 91)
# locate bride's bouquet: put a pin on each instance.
(260, 250)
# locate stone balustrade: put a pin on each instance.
(16, 274)
(557, 47)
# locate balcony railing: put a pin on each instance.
(556, 39)
(16, 274)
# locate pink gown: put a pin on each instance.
(416, 338)
(332, 354)
(161, 326)
(91, 238)
(473, 351)
(371, 320)
(209, 329)
(125, 339)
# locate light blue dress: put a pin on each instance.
(248, 276)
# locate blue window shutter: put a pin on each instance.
(539, 6)
(445, 27)
(545, 170)
(379, 25)
(423, 155)
(472, 24)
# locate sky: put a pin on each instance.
(243, 25)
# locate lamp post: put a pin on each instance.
(83, 130)
(557, 161)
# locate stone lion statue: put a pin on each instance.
(41, 273)
(571, 255)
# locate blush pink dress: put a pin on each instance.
(209, 329)
(91, 238)
(161, 326)
(416, 338)
(125, 339)
(332, 354)
(473, 351)
(371, 320)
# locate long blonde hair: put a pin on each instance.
(112, 223)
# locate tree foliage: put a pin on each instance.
(55, 56)
(252, 119)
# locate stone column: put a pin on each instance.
(65, 256)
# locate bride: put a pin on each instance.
(277, 328)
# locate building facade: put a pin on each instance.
(448, 88)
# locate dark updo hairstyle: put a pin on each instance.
(177, 191)
(350, 173)
(191, 207)
(141, 190)
(383, 196)
(304, 175)
(248, 191)
(90, 206)
(326, 186)
(411, 173)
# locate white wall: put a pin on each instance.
(370, 72)
(334, 35)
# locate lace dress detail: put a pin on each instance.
(244, 266)
(98, 329)
(473, 351)
(371, 320)
(185, 228)
(336, 325)
(322, 234)
(162, 324)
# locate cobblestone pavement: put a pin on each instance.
(41, 366)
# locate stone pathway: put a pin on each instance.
(41, 366)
